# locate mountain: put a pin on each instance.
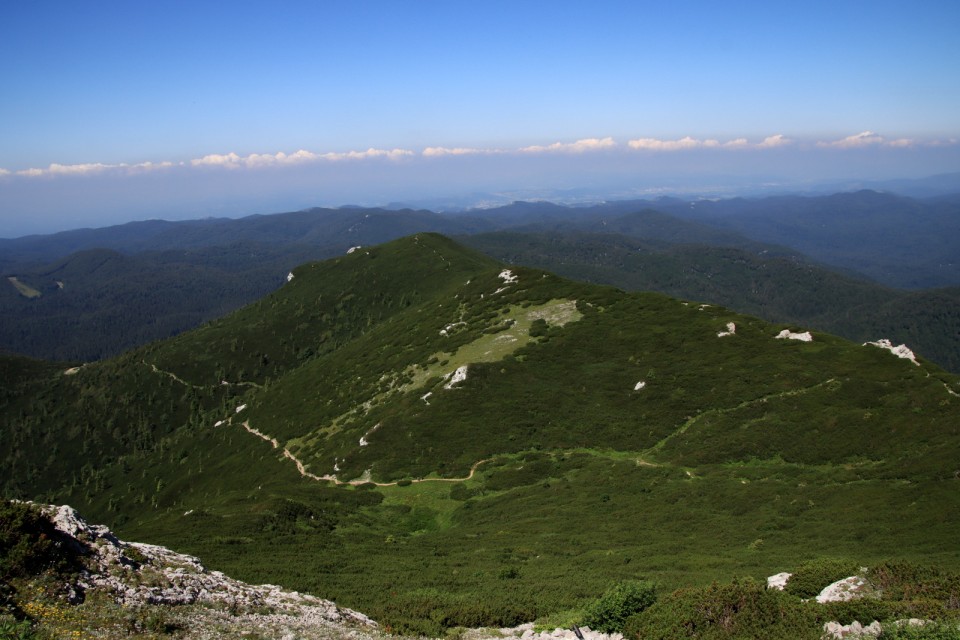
(96, 303)
(778, 286)
(899, 241)
(437, 439)
(93, 293)
(121, 287)
(334, 229)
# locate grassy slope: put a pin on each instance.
(741, 455)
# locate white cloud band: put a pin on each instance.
(585, 145)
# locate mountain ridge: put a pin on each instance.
(686, 441)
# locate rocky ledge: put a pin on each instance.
(137, 574)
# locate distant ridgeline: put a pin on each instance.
(434, 438)
(94, 293)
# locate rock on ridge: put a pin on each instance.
(901, 351)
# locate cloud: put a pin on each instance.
(230, 160)
(256, 160)
(435, 152)
(654, 144)
(580, 146)
(390, 154)
(89, 168)
(863, 139)
(689, 142)
(233, 161)
(778, 140)
(901, 142)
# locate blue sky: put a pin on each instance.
(123, 110)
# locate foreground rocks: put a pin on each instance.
(203, 604)
(527, 632)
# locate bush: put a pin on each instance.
(29, 543)
(929, 631)
(13, 629)
(742, 609)
(906, 581)
(609, 612)
(811, 577)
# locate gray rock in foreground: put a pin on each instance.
(206, 604)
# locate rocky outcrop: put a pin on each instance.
(852, 588)
(835, 630)
(527, 632)
(778, 581)
(137, 574)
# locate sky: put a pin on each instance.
(116, 111)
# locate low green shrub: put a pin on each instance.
(29, 543)
(899, 580)
(738, 610)
(13, 629)
(928, 631)
(811, 577)
(609, 612)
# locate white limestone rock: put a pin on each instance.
(778, 581)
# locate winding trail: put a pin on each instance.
(746, 403)
(333, 478)
(259, 434)
(176, 378)
(171, 375)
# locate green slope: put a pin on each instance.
(520, 490)
(778, 288)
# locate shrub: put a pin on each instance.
(906, 581)
(29, 543)
(929, 631)
(811, 577)
(742, 609)
(609, 612)
(13, 629)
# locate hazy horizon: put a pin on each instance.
(116, 112)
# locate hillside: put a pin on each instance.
(94, 293)
(62, 577)
(440, 440)
(95, 303)
(899, 241)
(776, 287)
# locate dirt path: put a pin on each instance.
(746, 403)
(333, 478)
(171, 375)
(176, 378)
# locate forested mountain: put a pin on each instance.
(440, 440)
(154, 279)
(332, 229)
(777, 287)
(899, 241)
(59, 302)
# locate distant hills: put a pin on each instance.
(898, 241)
(123, 286)
(438, 439)
(780, 287)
